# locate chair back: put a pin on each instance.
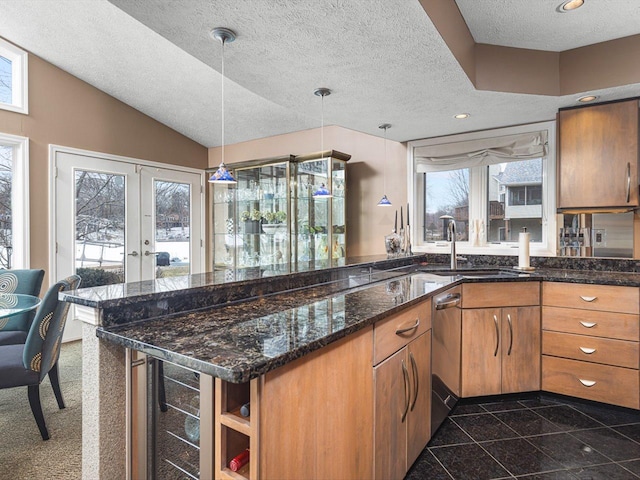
(28, 282)
(42, 348)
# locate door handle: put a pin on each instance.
(587, 383)
(147, 253)
(628, 182)
(587, 299)
(416, 384)
(132, 254)
(495, 319)
(510, 333)
(407, 391)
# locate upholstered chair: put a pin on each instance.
(14, 329)
(29, 363)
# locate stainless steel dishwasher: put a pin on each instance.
(445, 355)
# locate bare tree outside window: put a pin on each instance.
(6, 95)
(6, 223)
(100, 227)
(447, 193)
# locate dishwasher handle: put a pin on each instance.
(448, 301)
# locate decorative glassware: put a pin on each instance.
(393, 244)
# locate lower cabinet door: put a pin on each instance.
(481, 352)
(520, 349)
(419, 417)
(392, 403)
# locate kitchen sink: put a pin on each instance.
(485, 273)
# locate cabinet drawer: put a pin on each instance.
(608, 298)
(500, 294)
(622, 326)
(591, 349)
(614, 385)
(393, 333)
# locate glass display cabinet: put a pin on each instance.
(284, 214)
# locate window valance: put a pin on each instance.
(486, 151)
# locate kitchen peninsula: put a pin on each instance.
(263, 351)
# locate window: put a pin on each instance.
(13, 78)
(493, 184)
(14, 202)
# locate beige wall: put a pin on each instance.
(64, 110)
(366, 222)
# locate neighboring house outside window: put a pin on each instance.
(493, 184)
(13, 78)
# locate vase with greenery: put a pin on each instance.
(251, 220)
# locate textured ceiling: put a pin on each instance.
(383, 59)
(536, 24)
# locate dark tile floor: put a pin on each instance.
(544, 437)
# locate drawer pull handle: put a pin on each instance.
(587, 383)
(408, 329)
(588, 324)
(587, 299)
(588, 351)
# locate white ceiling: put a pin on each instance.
(383, 59)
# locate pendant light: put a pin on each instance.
(384, 201)
(222, 175)
(322, 191)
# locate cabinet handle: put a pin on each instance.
(588, 299)
(416, 385)
(628, 182)
(587, 383)
(588, 351)
(510, 334)
(495, 320)
(407, 393)
(588, 324)
(408, 329)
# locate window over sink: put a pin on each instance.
(493, 183)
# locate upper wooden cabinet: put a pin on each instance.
(598, 156)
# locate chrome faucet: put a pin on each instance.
(451, 237)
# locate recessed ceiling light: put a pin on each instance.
(461, 116)
(570, 5)
(587, 98)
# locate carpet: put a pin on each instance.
(23, 453)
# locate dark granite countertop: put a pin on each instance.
(241, 338)
(242, 341)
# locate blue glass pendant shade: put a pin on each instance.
(222, 175)
(322, 192)
(384, 202)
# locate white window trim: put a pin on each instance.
(546, 248)
(20, 257)
(19, 78)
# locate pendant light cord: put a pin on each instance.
(322, 127)
(222, 94)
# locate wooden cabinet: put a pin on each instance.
(598, 162)
(590, 342)
(402, 391)
(316, 414)
(500, 345)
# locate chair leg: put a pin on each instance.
(55, 384)
(36, 409)
(162, 396)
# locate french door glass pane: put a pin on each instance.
(6, 163)
(447, 194)
(6, 95)
(172, 233)
(100, 227)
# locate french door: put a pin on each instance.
(121, 221)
